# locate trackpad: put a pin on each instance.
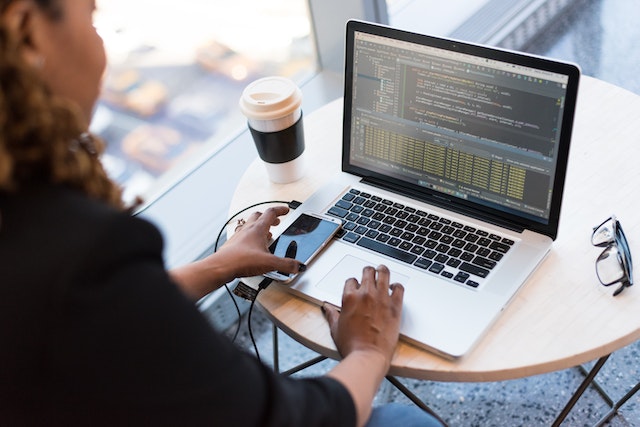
(350, 266)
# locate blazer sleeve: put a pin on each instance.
(128, 346)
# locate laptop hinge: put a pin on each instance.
(443, 202)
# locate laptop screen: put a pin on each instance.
(462, 121)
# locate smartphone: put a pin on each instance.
(303, 240)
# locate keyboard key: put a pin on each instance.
(448, 229)
(407, 236)
(344, 204)
(454, 252)
(394, 241)
(363, 220)
(453, 262)
(447, 274)
(401, 223)
(431, 244)
(500, 247)
(391, 211)
(430, 253)
(386, 250)
(395, 232)
(458, 243)
(337, 211)
(359, 200)
(411, 228)
(474, 269)
(447, 240)
(471, 238)
(418, 250)
(496, 256)
(378, 216)
(413, 218)
(436, 226)
(472, 283)
(419, 240)
(351, 237)
(348, 197)
(372, 234)
(383, 238)
(442, 258)
(374, 224)
(442, 248)
(350, 226)
(459, 234)
(483, 241)
(423, 231)
(361, 229)
(436, 268)
(467, 256)
(405, 246)
(461, 277)
(484, 262)
(485, 252)
(423, 263)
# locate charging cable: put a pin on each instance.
(242, 290)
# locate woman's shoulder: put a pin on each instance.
(64, 217)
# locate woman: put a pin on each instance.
(93, 329)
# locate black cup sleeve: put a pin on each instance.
(281, 146)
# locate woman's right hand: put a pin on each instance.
(369, 319)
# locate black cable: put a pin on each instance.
(253, 341)
(293, 205)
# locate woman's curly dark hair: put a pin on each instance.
(43, 137)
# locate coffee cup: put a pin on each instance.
(273, 107)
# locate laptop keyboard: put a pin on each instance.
(455, 251)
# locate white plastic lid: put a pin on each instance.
(270, 98)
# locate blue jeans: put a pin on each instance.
(396, 414)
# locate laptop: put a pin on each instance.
(453, 167)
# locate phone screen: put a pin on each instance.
(304, 238)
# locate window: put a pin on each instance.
(176, 72)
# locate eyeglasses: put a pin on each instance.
(614, 263)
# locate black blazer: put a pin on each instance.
(93, 331)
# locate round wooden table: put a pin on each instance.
(562, 317)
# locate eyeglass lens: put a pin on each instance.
(614, 263)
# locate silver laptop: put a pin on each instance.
(453, 167)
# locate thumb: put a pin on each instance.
(332, 314)
(287, 265)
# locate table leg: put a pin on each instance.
(415, 399)
(581, 389)
(617, 405)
